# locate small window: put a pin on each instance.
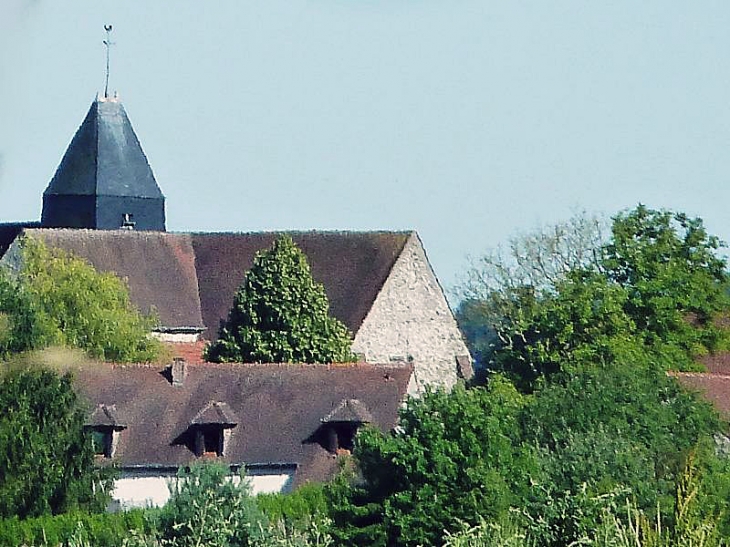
(209, 441)
(101, 441)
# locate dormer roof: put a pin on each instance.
(105, 416)
(351, 411)
(215, 413)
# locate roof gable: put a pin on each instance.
(352, 266)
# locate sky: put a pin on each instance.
(468, 121)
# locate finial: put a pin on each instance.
(108, 43)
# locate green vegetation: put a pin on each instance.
(46, 460)
(281, 315)
(53, 298)
(577, 436)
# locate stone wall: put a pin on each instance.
(411, 321)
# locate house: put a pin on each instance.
(287, 424)
(103, 204)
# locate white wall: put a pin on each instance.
(145, 489)
(411, 320)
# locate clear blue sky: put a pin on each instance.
(465, 120)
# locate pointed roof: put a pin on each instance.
(349, 410)
(215, 413)
(105, 415)
(105, 158)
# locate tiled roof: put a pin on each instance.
(158, 267)
(278, 409)
(352, 266)
(713, 387)
(190, 280)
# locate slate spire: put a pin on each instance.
(104, 180)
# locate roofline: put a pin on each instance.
(175, 468)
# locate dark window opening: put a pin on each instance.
(209, 441)
(340, 436)
(101, 441)
(127, 222)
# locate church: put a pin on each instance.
(285, 423)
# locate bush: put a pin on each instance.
(100, 530)
(207, 507)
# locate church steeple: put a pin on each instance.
(104, 180)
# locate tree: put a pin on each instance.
(207, 507)
(280, 314)
(499, 285)
(454, 457)
(53, 298)
(46, 459)
(677, 285)
(656, 285)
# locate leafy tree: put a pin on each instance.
(656, 285)
(207, 508)
(676, 283)
(46, 459)
(280, 314)
(53, 298)
(455, 456)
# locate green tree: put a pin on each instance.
(281, 315)
(46, 459)
(53, 298)
(207, 508)
(453, 458)
(676, 283)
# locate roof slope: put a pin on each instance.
(190, 280)
(352, 266)
(278, 408)
(158, 267)
(105, 158)
(10, 231)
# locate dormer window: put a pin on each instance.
(211, 429)
(104, 427)
(339, 427)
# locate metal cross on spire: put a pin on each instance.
(108, 43)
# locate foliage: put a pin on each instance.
(304, 505)
(56, 299)
(207, 508)
(676, 283)
(453, 458)
(488, 534)
(280, 314)
(46, 460)
(656, 287)
(99, 530)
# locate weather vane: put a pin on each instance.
(108, 43)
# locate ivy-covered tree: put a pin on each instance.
(53, 298)
(281, 315)
(46, 459)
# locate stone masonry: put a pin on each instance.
(411, 321)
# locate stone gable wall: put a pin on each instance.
(411, 321)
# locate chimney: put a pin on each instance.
(178, 370)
